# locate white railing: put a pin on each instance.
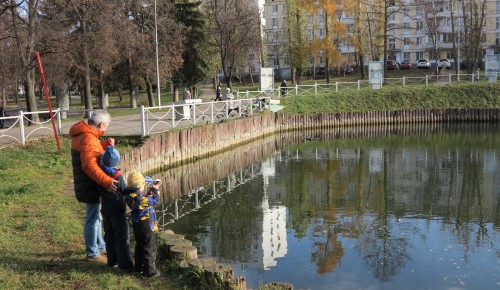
(165, 118)
(143, 121)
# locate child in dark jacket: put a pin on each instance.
(116, 230)
(141, 199)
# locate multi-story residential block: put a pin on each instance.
(416, 29)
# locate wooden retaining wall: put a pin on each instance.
(171, 148)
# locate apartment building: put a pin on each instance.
(416, 29)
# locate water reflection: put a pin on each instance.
(359, 211)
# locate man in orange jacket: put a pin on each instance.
(86, 148)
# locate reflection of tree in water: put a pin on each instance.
(327, 254)
(384, 256)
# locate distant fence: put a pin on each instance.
(336, 86)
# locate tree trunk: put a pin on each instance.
(103, 97)
(133, 100)
(63, 96)
(176, 94)
(149, 90)
(87, 98)
(120, 93)
(30, 95)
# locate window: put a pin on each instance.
(497, 38)
(310, 34)
(275, 23)
(418, 11)
(321, 60)
(392, 43)
(392, 16)
(350, 28)
(498, 6)
(406, 55)
(498, 23)
(322, 19)
(406, 41)
(420, 25)
(419, 40)
(450, 55)
(322, 33)
(406, 27)
(392, 30)
(447, 22)
(447, 37)
(420, 55)
(275, 8)
(309, 20)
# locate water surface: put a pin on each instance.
(384, 208)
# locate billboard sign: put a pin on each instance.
(266, 79)
(375, 72)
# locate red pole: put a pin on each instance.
(48, 99)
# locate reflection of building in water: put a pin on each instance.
(271, 243)
(252, 233)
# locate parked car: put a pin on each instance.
(321, 72)
(423, 63)
(465, 63)
(347, 69)
(392, 65)
(444, 63)
(406, 64)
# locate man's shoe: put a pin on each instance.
(99, 259)
(154, 275)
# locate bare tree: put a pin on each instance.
(233, 27)
(474, 20)
(298, 47)
(24, 24)
(137, 46)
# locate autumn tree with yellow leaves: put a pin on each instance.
(330, 33)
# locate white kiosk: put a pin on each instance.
(184, 112)
(492, 66)
(376, 74)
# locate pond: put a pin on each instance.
(404, 207)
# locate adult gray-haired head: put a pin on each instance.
(100, 119)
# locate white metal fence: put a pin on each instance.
(144, 121)
(315, 89)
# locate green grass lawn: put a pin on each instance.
(41, 245)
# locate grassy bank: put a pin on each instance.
(483, 95)
(41, 225)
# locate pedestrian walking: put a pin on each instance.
(283, 88)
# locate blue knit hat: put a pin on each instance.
(111, 157)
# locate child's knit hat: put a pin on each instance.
(136, 179)
(111, 157)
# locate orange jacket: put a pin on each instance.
(86, 148)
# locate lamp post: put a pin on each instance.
(458, 35)
(157, 60)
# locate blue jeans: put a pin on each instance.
(116, 235)
(92, 230)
